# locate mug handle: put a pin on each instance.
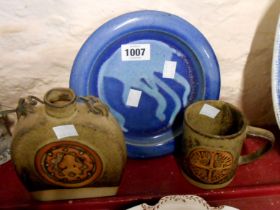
(259, 133)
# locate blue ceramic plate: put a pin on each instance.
(147, 66)
(276, 74)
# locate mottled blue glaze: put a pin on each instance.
(151, 128)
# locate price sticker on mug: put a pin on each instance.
(209, 111)
(136, 52)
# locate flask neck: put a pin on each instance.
(60, 102)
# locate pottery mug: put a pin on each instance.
(214, 133)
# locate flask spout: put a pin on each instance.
(60, 102)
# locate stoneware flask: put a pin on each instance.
(64, 149)
(214, 134)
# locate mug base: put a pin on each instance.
(206, 186)
(66, 194)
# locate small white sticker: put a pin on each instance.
(169, 69)
(133, 98)
(229, 208)
(209, 111)
(135, 52)
(63, 131)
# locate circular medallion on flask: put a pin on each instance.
(210, 167)
(68, 164)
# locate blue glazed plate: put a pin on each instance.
(276, 74)
(147, 66)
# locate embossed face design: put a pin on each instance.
(68, 164)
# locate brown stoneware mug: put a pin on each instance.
(214, 133)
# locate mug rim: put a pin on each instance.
(239, 132)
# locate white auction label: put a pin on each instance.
(229, 208)
(136, 52)
(209, 111)
(133, 98)
(63, 131)
(169, 69)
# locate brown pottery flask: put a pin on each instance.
(64, 149)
